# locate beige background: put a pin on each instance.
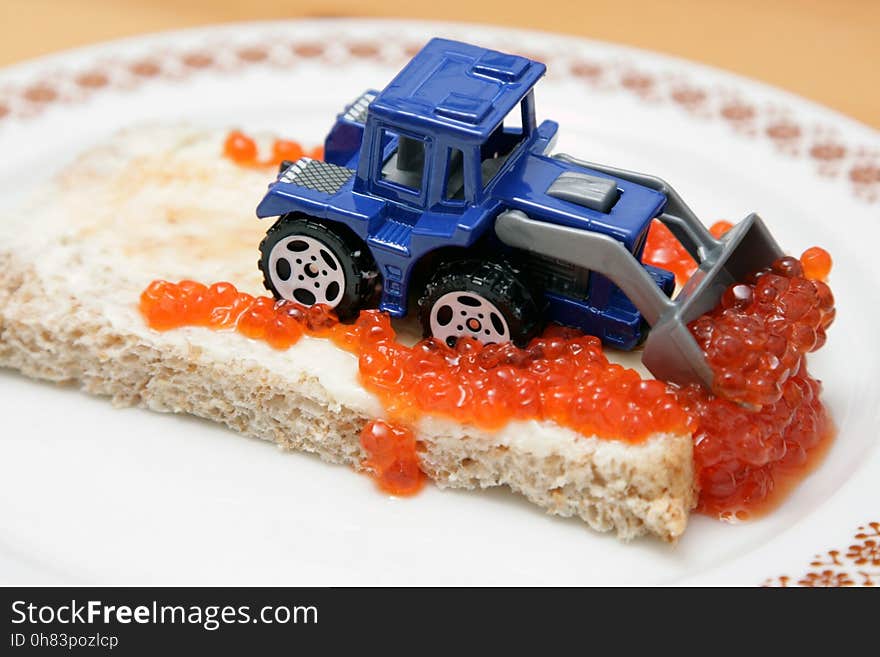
(826, 50)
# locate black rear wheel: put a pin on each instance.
(487, 301)
(311, 262)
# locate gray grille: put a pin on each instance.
(558, 276)
(317, 175)
(357, 111)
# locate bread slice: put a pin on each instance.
(159, 202)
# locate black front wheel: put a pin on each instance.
(312, 262)
(487, 301)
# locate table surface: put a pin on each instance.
(825, 50)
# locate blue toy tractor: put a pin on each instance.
(441, 190)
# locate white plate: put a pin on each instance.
(91, 494)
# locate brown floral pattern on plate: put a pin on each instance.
(856, 565)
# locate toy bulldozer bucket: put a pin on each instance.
(671, 353)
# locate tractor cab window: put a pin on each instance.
(503, 140)
(406, 166)
(454, 176)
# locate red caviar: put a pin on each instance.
(242, 149)
(742, 456)
(817, 263)
(757, 336)
(767, 414)
(561, 376)
(662, 249)
(564, 378)
(392, 457)
(284, 149)
(764, 419)
(719, 228)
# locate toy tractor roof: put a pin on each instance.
(455, 87)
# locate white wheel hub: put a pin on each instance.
(467, 314)
(305, 270)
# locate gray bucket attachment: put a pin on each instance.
(671, 353)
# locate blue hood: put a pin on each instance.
(525, 186)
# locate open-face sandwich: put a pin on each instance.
(139, 283)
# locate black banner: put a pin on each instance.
(154, 621)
